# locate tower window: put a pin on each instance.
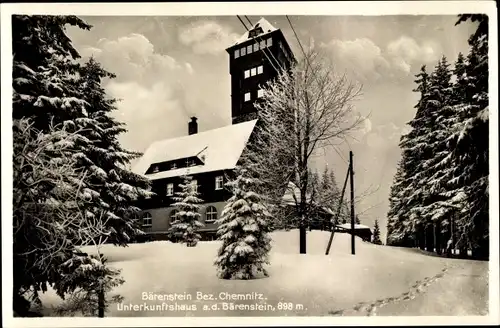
(247, 96)
(253, 71)
(260, 69)
(255, 47)
(243, 51)
(247, 74)
(249, 49)
(236, 53)
(260, 93)
(269, 42)
(262, 44)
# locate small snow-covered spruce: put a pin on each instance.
(376, 234)
(186, 222)
(243, 230)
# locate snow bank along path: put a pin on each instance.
(312, 284)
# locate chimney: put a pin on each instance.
(193, 126)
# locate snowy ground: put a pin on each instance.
(378, 280)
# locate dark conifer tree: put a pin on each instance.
(376, 234)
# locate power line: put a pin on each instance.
(242, 22)
(264, 49)
(270, 62)
(296, 37)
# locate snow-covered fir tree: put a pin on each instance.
(395, 232)
(54, 91)
(412, 157)
(186, 224)
(116, 187)
(433, 206)
(442, 182)
(471, 140)
(45, 173)
(243, 229)
(376, 234)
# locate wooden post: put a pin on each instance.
(353, 251)
(338, 212)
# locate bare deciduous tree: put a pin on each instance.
(302, 111)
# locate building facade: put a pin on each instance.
(256, 58)
(211, 156)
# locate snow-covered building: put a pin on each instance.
(210, 156)
(360, 230)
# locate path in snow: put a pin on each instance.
(461, 291)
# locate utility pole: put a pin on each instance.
(351, 169)
(338, 212)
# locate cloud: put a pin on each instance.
(367, 61)
(409, 50)
(150, 86)
(360, 57)
(147, 112)
(405, 52)
(133, 57)
(385, 136)
(207, 37)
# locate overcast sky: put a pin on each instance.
(171, 68)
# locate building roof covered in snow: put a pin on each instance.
(217, 149)
(356, 226)
(292, 197)
(292, 194)
(262, 26)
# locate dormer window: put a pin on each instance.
(170, 189)
(236, 53)
(219, 182)
(256, 31)
(249, 49)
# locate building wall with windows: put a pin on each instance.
(157, 221)
(210, 187)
